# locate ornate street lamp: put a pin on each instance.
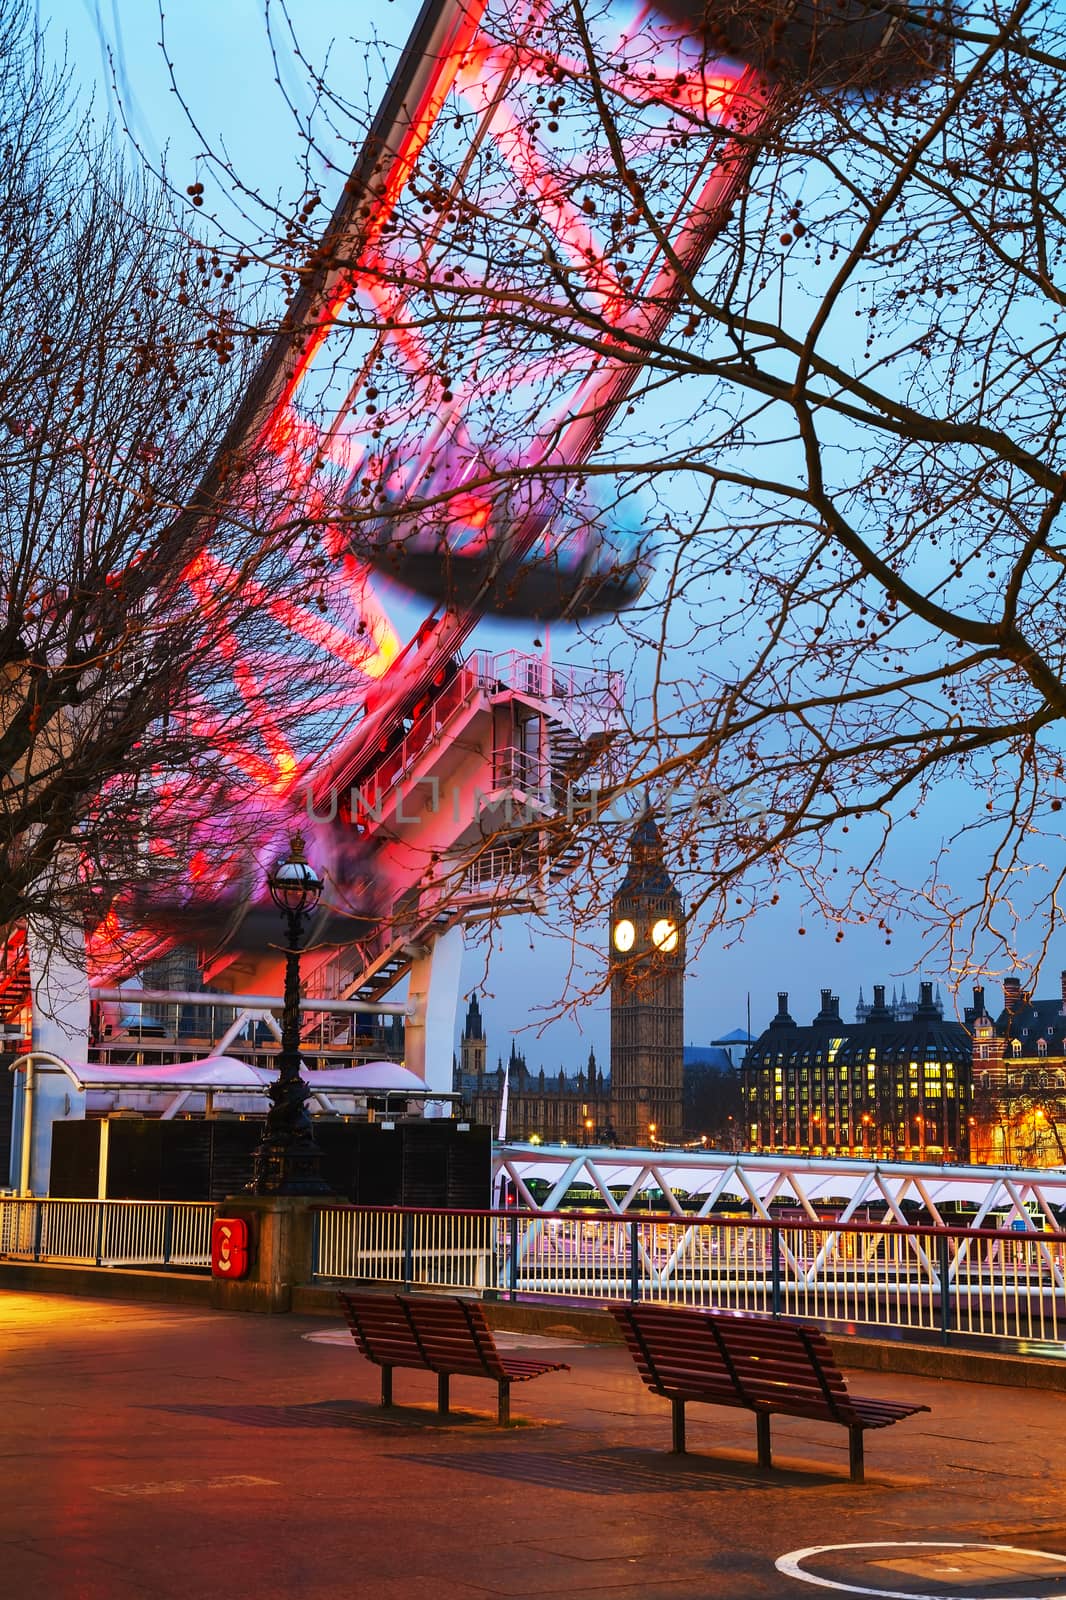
(288, 1160)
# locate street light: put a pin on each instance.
(919, 1123)
(288, 1161)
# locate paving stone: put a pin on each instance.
(181, 1454)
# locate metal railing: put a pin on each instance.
(597, 696)
(524, 770)
(371, 796)
(108, 1233)
(939, 1282)
(440, 1249)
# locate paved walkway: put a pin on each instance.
(158, 1451)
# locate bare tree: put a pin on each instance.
(148, 710)
(826, 388)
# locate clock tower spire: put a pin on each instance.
(647, 955)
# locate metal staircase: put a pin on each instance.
(14, 976)
(507, 870)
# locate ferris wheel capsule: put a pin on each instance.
(534, 550)
(843, 44)
(603, 574)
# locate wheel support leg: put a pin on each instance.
(442, 1393)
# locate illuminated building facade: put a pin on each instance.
(1019, 1078)
(879, 1088)
(552, 1107)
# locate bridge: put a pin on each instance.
(701, 1182)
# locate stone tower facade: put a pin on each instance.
(647, 957)
(473, 1045)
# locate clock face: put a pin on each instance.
(624, 934)
(664, 935)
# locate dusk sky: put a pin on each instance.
(225, 71)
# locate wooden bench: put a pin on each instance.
(759, 1363)
(445, 1335)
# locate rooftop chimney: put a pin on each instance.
(926, 1008)
(782, 1020)
(879, 1012)
(1012, 993)
(830, 1011)
(979, 998)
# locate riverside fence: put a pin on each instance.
(926, 1282)
(108, 1233)
(940, 1282)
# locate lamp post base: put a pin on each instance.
(289, 1169)
(282, 1252)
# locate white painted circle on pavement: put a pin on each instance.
(790, 1565)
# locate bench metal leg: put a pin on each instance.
(386, 1386)
(503, 1407)
(855, 1461)
(678, 1408)
(442, 1393)
(762, 1434)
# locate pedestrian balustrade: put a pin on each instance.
(928, 1282)
(448, 1249)
(939, 1282)
(108, 1233)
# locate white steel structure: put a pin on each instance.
(716, 1179)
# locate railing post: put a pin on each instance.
(99, 1246)
(775, 1269)
(945, 1287)
(316, 1240)
(38, 1227)
(512, 1255)
(634, 1260)
(168, 1233)
(408, 1248)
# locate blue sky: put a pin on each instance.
(225, 70)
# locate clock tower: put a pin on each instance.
(647, 956)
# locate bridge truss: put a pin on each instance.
(699, 1183)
